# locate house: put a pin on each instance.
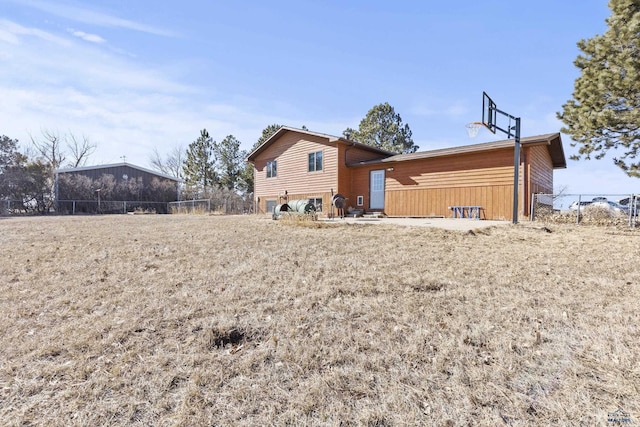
(298, 164)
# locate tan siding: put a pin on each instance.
(436, 201)
(344, 174)
(360, 184)
(541, 170)
(356, 155)
(426, 187)
(478, 169)
(291, 153)
(350, 155)
(419, 187)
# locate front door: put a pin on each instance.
(376, 189)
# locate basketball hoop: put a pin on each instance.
(473, 128)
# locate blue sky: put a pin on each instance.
(137, 75)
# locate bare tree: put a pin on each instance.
(171, 164)
(52, 148)
(80, 150)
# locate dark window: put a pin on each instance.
(271, 204)
(315, 161)
(317, 203)
(272, 169)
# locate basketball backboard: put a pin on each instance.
(488, 112)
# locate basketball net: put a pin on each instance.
(473, 128)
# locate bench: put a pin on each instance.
(464, 211)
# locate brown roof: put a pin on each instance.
(335, 139)
(553, 140)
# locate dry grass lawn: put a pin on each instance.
(202, 320)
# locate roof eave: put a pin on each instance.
(116, 165)
(333, 139)
(552, 140)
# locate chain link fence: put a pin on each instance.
(75, 207)
(588, 209)
(91, 207)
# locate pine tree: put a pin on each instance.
(604, 113)
(230, 161)
(266, 134)
(382, 128)
(199, 165)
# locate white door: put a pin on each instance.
(376, 189)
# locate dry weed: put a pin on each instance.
(207, 320)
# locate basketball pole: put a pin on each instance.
(515, 132)
(489, 120)
(516, 169)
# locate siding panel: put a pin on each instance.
(291, 153)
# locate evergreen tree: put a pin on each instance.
(12, 164)
(382, 128)
(246, 178)
(230, 161)
(604, 113)
(9, 154)
(199, 164)
(266, 134)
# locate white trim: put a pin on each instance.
(378, 197)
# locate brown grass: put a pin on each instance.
(206, 320)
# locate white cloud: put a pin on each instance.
(92, 17)
(11, 32)
(127, 108)
(93, 38)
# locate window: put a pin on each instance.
(360, 200)
(272, 169)
(315, 161)
(271, 204)
(317, 202)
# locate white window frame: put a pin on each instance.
(272, 168)
(315, 161)
(313, 201)
(360, 201)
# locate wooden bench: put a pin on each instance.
(466, 211)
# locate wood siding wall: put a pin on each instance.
(496, 201)
(291, 153)
(353, 155)
(419, 187)
(427, 187)
(360, 184)
(541, 170)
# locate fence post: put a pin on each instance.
(533, 209)
(209, 206)
(578, 210)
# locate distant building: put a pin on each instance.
(114, 182)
